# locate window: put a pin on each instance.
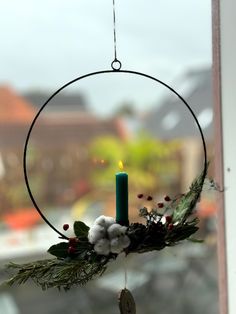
(80, 136)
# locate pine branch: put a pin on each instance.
(157, 236)
(56, 273)
(187, 203)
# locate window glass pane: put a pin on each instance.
(80, 136)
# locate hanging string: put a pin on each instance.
(125, 273)
(114, 29)
(116, 64)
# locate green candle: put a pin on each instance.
(122, 197)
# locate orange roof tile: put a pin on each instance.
(14, 108)
(24, 218)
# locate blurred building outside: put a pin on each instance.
(62, 136)
(55, 139)
(64, 123)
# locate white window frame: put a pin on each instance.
(224, 82)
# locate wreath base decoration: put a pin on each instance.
(87, 255)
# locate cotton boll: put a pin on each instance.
(125, 241)
(102, 247)
(123, 230)
(104, 221)
(101, 220)
(116, 246)
(114, 231)
(96, 232)
(109, 221)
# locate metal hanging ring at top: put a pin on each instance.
(83, 77)
(116, 65)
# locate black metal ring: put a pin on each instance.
(80, 78)
(116, 65)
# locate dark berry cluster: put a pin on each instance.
(150, 198)
(72, 241)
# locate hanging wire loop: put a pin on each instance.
(116, 65)
(76, 80)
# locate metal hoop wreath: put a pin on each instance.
(78, 79)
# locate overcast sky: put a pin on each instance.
(46, 43)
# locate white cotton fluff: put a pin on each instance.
(125, 241)
(109, 221)
(104, 221)
(108, 236)
(96, 232)
(123, 230)
(102, 247)
(116, 246)
(116, 230)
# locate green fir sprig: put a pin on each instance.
(187, 203)
(51, 273)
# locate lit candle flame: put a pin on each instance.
(120, 164)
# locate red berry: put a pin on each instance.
(71, 250)
(170, 226)
(160, 205)
(66, 227)
(167, 198)
(140, 195)
(168, 219)
(149, 198)
(73, 241)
